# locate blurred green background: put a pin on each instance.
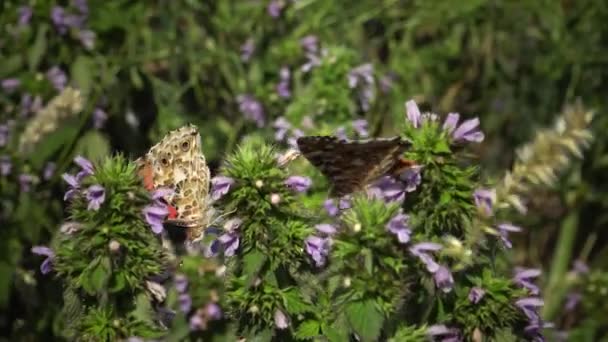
(234, 67)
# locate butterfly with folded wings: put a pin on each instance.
(352, 165)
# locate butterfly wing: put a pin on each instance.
(350, 165)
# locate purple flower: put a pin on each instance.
(398, 225)
(476, 294)
(412, 178)
(29, 105)
(5, 165)
(47, 264)
(57, 77)
(529, 306)
(196, 322)
(4, 135)
(25, 182)
(220, 185)
(87, 39)
(283, 86)
(251, 108)
(310, 44)
(523, 278)
(386, 82)
(360, 126)
(444, 333)
(504, 229)
(155, 216)
(247, 50)
(74, 184)
(572, 300)
(580, 267)
(298, 183)
(484, 200)
(413, 113)
(331, 207)
(292, 141)
(312, 61)
(363, 73)
(181, 282)
(230, 242)
(213, 311)
(185, 302)
(341, 133)
(281, 321)
(420, 250)
(96, 195)
(318, 249)
(99, 118)
(49, 170)
(467, 131)
(282, 126)
(274, 8)
(326, 228)
(25, 14)
(443, 279)
(388, 189)
(10, 84)
(74, 21)
(58, 18)
(81, 5)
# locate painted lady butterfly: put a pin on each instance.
(177, 162)
(352, 165)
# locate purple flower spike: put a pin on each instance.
(398, 225)
(360, 126)
(318, 249)
(251, 109)
(220, 186)
(57, 77)
(155, 216)
(420, 250)
(476, 294)
(443, 279)
(326, 228)
(231, 243)
(9, 85)
(96, 195)
(25, 14)
(281, 321)
(468, 131)
(524, 276)
(5, 165)
(47, 264)
(298, 183)
(331, 207)
(185, 302)
(413, 113)
(213, 311)
(484, 200)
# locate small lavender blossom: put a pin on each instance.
(213, 311)
(468, 131)
(5, 165)
(99, 118)
(181, 282)
(572, 300)
(504, 229)
(420, 250)
(341, 133)
(326, 228)
(293, 139)
(580, 267)
(529, 306)
(274, 8)
(74, 184)
(298, 183)
(484, 200)
(47, 264)
(413, 113)
(25, 182)
(74, 21)
(220, 185)
(476, 294)
(25, 15)
(155, 216)
(82, 6)
(49, 170)
(4, 135)
(318, 249)
(247, 50)
(57, 77)
(86, 167)
(196, 323)
(185, 302)
(443, 279)
(331, 207)
(361, 127)
(363, 73)
(251, 109)
(58, 19)
(282, 126)
(96, 195)
(388, 189)
(386, 82)
(412, 178)
(9, 85)
(398, 225)
(312, 62)
(30, 105)
(87, 38)
(523, 277)
(283, 86)
(281, 321)
(444, 333)
(310, 44)
(231, 242)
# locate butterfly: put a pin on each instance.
(177, 162)
(351, 165)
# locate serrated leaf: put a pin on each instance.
(308, 329)
(365, 319)
(38, 49)
(294, 303)
(252, 262)
(334, 335)
(100, 275)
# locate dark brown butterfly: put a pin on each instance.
(351, 165)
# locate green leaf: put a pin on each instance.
(93, 145)
(38, 49)
(252, 262)
(308, 329)
(334, 335)
(10, 64)
(6, 280)
(81, 73)
(62, 137)
(100, 274)
(294, 303)
(118, 282)
(365, 319)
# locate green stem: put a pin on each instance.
(556, 289)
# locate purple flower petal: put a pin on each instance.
(318, 249)
(220, 186)
(413, 113)
(476, 294)
(281, 321)
(326, 228)
(484, 200)
(398, 225)
(155, 216)
(9, 85)
(450, 122)
(185, 302)
(181, 282)
(213, 311)
(84, 164)
(361, 127)
(230, 242)
(96, 195)
(43, 250)
(330, 207)
(468, 131)
(298, 183)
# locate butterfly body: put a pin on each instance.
(176, 162)
(351, 165)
